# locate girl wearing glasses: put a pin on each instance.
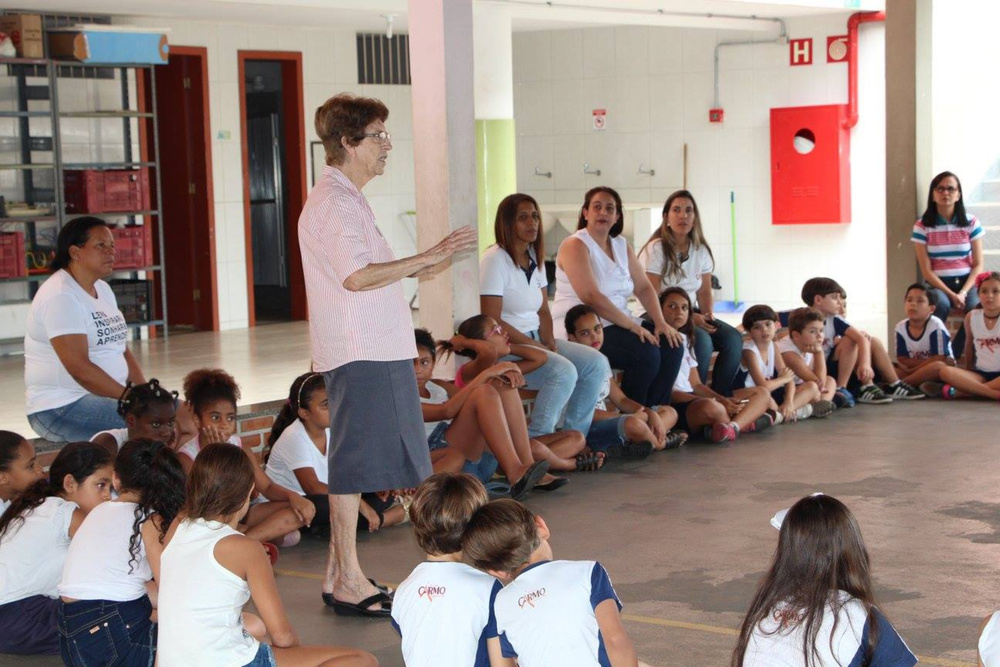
(948, 243)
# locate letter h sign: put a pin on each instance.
(800, 51)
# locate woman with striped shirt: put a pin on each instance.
(949, 248)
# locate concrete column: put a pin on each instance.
(441, 58)
(496, 165)
(901, 186)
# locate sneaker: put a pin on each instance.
(778, 418)
(675, 439)
(631, 450)
(843, 398)
(933, 389)
(903, 391)
(805, 412)
(821, 409)
(872, 395)
(720, 432)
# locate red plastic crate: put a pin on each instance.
(133, 246)
(107, 191)
(12, 261)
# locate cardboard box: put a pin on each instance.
(25, 31)
(109, 45)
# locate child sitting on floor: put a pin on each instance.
(550, 612)
(802, 351)
(209, 571)
(699, 408)
(41, 522)
(763, 366)
(923, 344)
(630, 428)
(981, 376)
(212, 395)
(443, 610)
(149, 411)
(850, 351)
(296, 458)
(19, 468)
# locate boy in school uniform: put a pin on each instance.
(550, 612)
(850, 351)
(923, 344)
(802, 351)
(443, 611)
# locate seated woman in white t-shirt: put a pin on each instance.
(297, 458)
(678, 255)
(209, 571)
(76, 360)
(41, 522)
(109, 580)
(513, 291)
(820, 578)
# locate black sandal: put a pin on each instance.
(362, 608)
(522, 487)
(591, 462)
(329, 600)
(556, 483)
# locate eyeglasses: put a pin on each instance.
(946, 189)
(382, 137)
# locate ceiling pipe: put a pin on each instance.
(852, 62)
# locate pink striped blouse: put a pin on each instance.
(338, 236)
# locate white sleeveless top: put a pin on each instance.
(97, 564)
(119, 434)
(201, 602)
(986, 343)
(766, 366)
(613, 279)
(439, 396)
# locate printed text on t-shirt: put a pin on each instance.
(110, 329)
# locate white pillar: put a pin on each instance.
(441, 61)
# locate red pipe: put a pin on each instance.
(852, 62)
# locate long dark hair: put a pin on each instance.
(76, 232)
(688, 328)
(671, 258)
(220, 482)
(79, 459)
(152, 470)
(299, 396)
(820, 552)
(619, 225)
(930, 216)
(503, 227)
(10, 442)
(473, 328)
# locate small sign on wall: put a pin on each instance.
(836, 49)
(800, 51)
(600, 120)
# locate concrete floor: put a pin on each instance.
(685, 535)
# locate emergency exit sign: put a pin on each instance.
(800, 51)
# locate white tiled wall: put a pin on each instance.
(657, 87)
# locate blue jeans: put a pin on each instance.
(944, 306)
(569, 382)
(102, 632)
(650, 371)
(78, 421)
(264, 657)
(728, 342)
(604, 433)
(482, 469)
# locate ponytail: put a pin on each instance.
(299, 396)
(473, 328)
(152, 470)
(79, 459)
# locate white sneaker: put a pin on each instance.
(805, 412)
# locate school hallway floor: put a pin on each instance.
(685, 535)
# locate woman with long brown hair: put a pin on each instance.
(513, 290)
(816, 607)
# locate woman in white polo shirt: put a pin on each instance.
(677, 255)
(513, 291)
(76, 360)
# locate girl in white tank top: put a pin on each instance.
(206, 569)
(982, 335)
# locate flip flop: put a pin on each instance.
(329, 600)
(522, 487)
(556, 483)
(361, 608)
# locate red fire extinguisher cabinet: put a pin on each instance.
(810, 165)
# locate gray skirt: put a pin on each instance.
(377, 438)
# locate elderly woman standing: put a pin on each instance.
(597, 267)
(76, 360)
(513, 291)
(362, 338)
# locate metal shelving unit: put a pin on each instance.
(22, 69)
